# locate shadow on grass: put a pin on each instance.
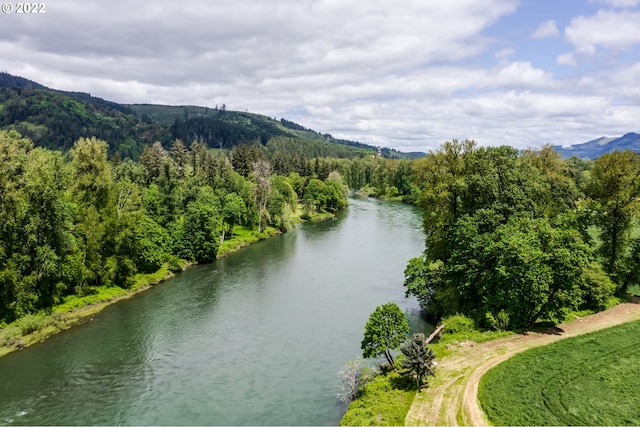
(403, 381)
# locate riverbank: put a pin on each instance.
(34, 328)
(74, 310)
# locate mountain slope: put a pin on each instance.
(597, 147)
(56, 119)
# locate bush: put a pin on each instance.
(598, 287)
(499, 322)
(458, 323)
(31, 323)
(9, 336)
(174, 264)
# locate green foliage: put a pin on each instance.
(385, 330)
(385, 402)
(505, 238)
(200, 234)
(233, 211)
(585, 380)
(614, 190)
(418, 358)
(55, 120)
(457, 324)
(598, 287)
(71, 226)
(152, 242)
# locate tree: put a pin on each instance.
(92, 172)
(385, 330)
(353, 377)
(201, 228)
(233, 212)
(152, 158)
(179, 153)
(615, 191)
(418, 358)
(262, 175)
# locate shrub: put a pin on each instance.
(499, 322)
(30, 323)
(458, 323)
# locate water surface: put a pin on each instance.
(256, 338)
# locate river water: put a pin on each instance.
(256, 338)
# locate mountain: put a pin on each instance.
(597, 147)
(56, 119)
(222, 128)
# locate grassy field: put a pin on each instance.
(384, 402)
(587, 380)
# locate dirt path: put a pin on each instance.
(452, 397)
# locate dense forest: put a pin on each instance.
(513, 237)
(78, 220)
(57, 119)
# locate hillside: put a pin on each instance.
(597, 147)
(222, 128)
(56, 119)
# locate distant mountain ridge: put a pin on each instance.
(56, 119)
(599, 146)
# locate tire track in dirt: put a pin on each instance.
(452, 397)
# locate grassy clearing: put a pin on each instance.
(243, 236)
(385, 401)
(586, 380)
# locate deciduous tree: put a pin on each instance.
(385, 331)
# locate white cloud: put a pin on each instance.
(408, 76)
(546, 29)
(617, 3)
(617, 30)
(522, 75)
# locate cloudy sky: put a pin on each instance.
(407, 74)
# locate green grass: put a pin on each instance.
(385, 402)
(243, 236)
(587, 380)
(36, 327)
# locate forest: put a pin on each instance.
(78, 221)
(513, 238)
(56, 119)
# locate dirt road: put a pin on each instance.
(452, 397)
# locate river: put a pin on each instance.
(256, 338)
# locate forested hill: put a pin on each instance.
(597, 147)
(56, 119)
(222, 128)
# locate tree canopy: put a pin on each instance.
(386, 330)
(507, 233)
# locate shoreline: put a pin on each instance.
(12, 339)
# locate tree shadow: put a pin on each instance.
(403, 381)
(547, 328)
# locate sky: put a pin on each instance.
(404, 74)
